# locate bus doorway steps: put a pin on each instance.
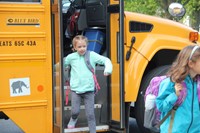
(82, 120)
(100, 128)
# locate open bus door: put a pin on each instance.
(58, 103)
(62, 47)
(109, 102)
(118, 110)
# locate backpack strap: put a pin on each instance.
(198, 87)
(67, 82)
(172, 118)
(88, 64)
(172, 113)
(181, 98)
(164, 118)
(67, 95)
(87, 61)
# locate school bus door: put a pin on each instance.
(117, 78)
(57, 62)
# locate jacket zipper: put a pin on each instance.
(192, 106)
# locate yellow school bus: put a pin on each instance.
(35, 36)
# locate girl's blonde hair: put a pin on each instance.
(180, 69)
(79, 38)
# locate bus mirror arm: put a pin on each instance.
(128, 53)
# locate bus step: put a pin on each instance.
(82, 120)
(101, 128)
(96, 106)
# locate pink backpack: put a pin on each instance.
(152, 116)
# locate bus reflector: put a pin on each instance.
(40, 88)
(194, 36)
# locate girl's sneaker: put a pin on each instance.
(72, 123)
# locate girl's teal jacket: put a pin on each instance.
(81, 78)
(187, 116)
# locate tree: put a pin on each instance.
(160, 8)
(142, 6)
(193, 10)
(164, 4)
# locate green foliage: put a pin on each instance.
(160, 8)
(193, 10)
(142, 6)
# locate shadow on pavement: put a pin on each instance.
(133, 128)
(8, 126)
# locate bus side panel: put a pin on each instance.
(26, 69)
(157, 36)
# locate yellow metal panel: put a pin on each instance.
(34, 70)
(25, 55)
(115, 101)
(134, 69)
(25, 118)
(147, 45)
(114, 2)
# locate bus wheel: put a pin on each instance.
(139, 107)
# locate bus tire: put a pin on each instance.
(139, 107)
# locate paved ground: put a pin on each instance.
(133, 128)
(7, 126)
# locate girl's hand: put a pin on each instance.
(178, 88)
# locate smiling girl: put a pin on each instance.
(81, 80)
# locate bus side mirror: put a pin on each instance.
(176, 10)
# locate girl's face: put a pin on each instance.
(81, 47)
(194, 68)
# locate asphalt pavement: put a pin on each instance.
(133, 128)
(7, 126)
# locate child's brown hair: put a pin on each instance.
(79, 38)
(180, 69)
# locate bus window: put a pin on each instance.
(20, 0)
